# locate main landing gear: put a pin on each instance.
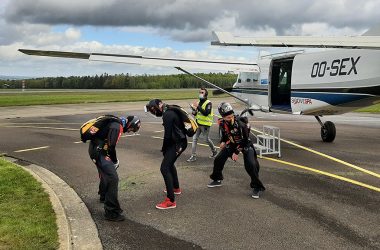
(328, 131)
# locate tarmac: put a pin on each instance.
(318, 195)
(76, 228)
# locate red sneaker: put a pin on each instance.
(166, 204)
(176, 191)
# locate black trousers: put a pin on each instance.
(250, 163)
(109, 181)
(168, 169)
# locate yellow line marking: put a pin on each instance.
(324, 173)
(77, 142)
(70, 129)
(202, 144)
(328, 157)
(30, 149)
(158, 131)
(310, 169)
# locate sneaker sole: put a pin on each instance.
(163, 208)
(255, 197)
(174, 192)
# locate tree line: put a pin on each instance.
(122, 81)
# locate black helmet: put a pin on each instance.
(225, 109)
(133, 122)
(153, 107)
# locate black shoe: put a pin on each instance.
(255, 193)
(214, 184)
(118, 217)
(102, 199)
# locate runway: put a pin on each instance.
(319, 195)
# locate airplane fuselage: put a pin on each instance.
(318, 83)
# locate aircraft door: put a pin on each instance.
(280, 84)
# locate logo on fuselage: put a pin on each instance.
(338, 67)
(305, 101)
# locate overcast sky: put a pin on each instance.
(170, 28)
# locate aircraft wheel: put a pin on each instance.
(328, 131)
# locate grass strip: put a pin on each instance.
(25, 98)
(27, 219)
(371, 109)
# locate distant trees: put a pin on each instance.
(122, 81)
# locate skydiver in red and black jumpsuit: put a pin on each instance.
(235, 140)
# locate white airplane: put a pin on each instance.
(320, 83)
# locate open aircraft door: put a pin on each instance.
(280, 75)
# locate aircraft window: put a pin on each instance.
(239, 80)
(248, 80)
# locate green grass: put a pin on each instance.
(371, 109)
(25, 98)
(73, 97)
(27, 219)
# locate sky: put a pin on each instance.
(167, 28)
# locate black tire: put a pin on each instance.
(328, 132)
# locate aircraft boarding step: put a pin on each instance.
(269, 141)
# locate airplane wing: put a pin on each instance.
(152, 61)
(177, 63)
(348, 42)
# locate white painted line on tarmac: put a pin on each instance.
(40, 123)
(189, 142)
(131, 135)
(70, 129)
(30, 149)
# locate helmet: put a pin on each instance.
(225, 109)
(153, 107)
(133, 122)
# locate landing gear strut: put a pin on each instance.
(328, 131)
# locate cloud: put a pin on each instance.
(193, 20)
(31, 24)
